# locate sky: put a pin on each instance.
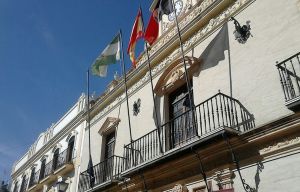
(46, 48)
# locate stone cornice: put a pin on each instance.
(284, 143)
(201, 21)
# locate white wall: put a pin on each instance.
(275, 26)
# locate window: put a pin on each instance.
(55, 159)
(109, 145)
(32, 174)
(70, 149)
(23, 184)
(42, 170)
(16, 187)
(180, 115)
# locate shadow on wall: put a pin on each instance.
(259, 169)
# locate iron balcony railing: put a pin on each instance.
(210, 116)
(35, 179)
(107, 170)
(289, 71)
(63, 158)
(48, 169)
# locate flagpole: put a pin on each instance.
(187, 80)
(90, 163)
(152, 88)
(125, 81)
(88, 107)
(126, 92)
(185, 69)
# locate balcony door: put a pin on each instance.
(70, 149)
(108, 163)
(42, 171)
(55, 159)
(180, 114)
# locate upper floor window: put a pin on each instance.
(55, 158)
(16, 187)
(71, 144)
(23, 184)
(109, 145)
(32, 174)
(180, 115)
(42, 170)
(108, 132)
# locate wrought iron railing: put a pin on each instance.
(48, 169)
(63, 159)
(35, 179)
(210, 116)
(289, 71)
(107, 170)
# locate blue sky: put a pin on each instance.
(45, 49)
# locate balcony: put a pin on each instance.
(34, 182)
(289, 70)
(60, 166)
(105, 173)
(216, 115)
(210, 118)
(64, 163)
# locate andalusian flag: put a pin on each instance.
(110, 55)
(136, 34)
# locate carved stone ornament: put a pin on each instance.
(173, 76)
(179, 188)
(279, 145)
(136, 107)
(108, 126)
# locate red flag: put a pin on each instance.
(136, 34)
(151, 33)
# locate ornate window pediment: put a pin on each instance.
(109, 125)
(173, 76)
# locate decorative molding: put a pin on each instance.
(179, 188)
(224, 179)
(73, 133)
(108, 126)
(57, 146)
(173, 75)
(136, 107)
(188, 44)
(167, 24)
(279, 145)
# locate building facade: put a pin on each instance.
(231, 128)
(244, 141)
(52, 161)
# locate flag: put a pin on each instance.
(164, 7)
(90, 171)
(136, 34)
(151, 32)
(214, 52)
(110, 55)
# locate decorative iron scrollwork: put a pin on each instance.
(241, 33)
(136, 107)
(246, 187)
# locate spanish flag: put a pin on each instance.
(136, 34)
